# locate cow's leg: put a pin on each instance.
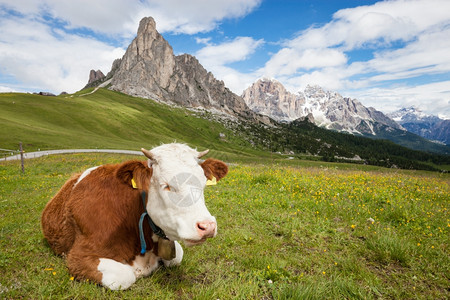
(116, 275)
(83, 263)
(143, 265)
(178, 256)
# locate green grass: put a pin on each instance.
(287, 230)
(109, 120)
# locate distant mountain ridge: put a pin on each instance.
(427, 126)
(329, 109)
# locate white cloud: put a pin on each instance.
(288, 60)
(429, 52)
(7, 89)
(204, 41)
(43, 59)
(236, 81)
(102, 16)
(418, 15)
(121, 17)
(180, 16)
(215, 58)
(433, 98)
(407, 39)
(382, 22)
(228, 52)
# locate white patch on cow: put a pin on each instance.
(84, 174)
(143, 265)
(178, 258)
(177, 203)
(116, 276)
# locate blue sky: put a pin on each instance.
(387, 54)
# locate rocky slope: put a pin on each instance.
(329, 109)
(149, 69)
(95, 75)
(427, 126)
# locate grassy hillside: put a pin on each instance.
(334, 146)
(409, 139)
(299, 232)
(106, 119)
(112, 120)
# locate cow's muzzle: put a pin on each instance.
(205, 229)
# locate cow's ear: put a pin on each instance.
(135, 173)
(213, 167)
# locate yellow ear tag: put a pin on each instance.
(212, 181)
(133, 183)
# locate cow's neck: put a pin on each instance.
(156, 230)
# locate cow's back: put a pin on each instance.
(57, 227)
(101, 208)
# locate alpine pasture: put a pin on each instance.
(297, 230)
(287, 229)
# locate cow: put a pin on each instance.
(117, 223)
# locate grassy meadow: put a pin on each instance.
(108, 120)
(303, 230)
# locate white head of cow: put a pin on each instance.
(175, 200)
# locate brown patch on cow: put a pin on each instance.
(98, 218)
(56, 226)
(213, 167)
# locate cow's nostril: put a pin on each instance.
(206, 229)
(205, 226)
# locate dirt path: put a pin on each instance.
(100, 86)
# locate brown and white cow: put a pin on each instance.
(98, 219)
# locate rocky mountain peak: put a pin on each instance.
(269, 97)
(147, 24)
(270, 85)
(149, 69)
(95, 75)
(326, 108)
(427, 126)
(314, 91)
(95, 78)
(147, 65)
(408, 114)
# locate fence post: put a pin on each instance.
(21, 157)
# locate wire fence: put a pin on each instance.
(5, 153)
(12, 154)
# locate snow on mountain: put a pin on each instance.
(427, 126)
(410, 113)
(329, 109)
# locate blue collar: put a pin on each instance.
(156, 230)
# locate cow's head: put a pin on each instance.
(175, 200)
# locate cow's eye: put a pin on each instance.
(166, 187)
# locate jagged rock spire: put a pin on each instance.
(149, 69)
